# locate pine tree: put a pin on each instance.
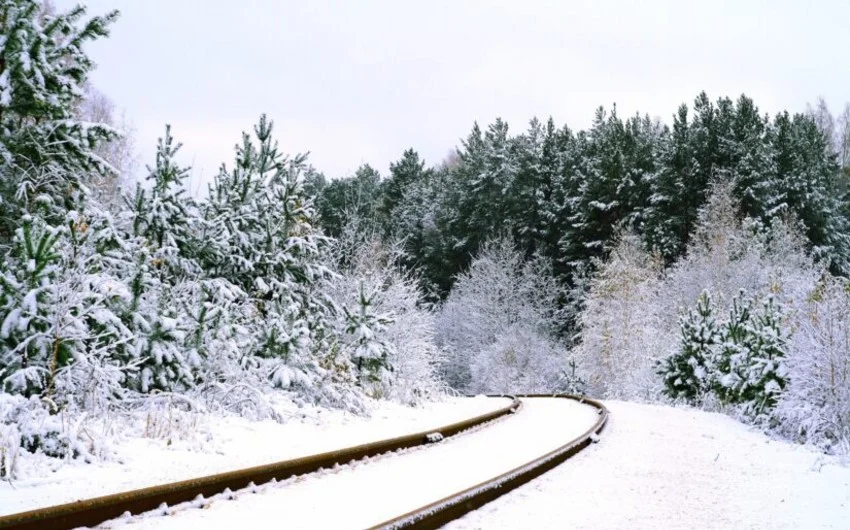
(26, 297)
(688, 373)
(754, 169)
(62, 306)
(404, 173)
(165, 216)
(43, 148)
(667, 213)
(807, 177)
(529, 186)
(356, 197)
(731, 361)
(165, 229)
(371, 355)
(262, 239)
(766, 372)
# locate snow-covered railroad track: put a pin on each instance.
(98, 510)
(460, 471)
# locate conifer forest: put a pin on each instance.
(701, 258)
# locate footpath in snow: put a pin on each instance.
(369, 493)
(660, 467)
(197, 445)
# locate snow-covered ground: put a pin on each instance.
(366, 494)
(660, 467)
(172, 446)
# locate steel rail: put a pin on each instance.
(455, 506)
(91, 512)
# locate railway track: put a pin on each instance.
(455, 506)
(95, 511)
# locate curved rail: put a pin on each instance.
(94, 511)
(455, 506)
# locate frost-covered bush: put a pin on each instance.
(32, 425)
(498, 325)
(727, 254)
(520, 360)
(389, 339)
(621, 328)
(815, 406)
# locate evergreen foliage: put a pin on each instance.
(43, 148)
(687, 373)
(565, 195)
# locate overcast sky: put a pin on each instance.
(359, 82)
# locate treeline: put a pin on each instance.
(564, 194)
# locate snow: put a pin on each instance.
(201, 445)
(366, 494)
(662, 467)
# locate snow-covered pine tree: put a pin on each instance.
(261, 238)
(357, 196)
(370, 353)
(688, 373)
(807, 175)
(27, 281)
(484, 177)
(755, 170)
(163, 228)
(749, 367)
(400, 323)
(64, 330)
(766, 371)
(667, 214)
(549, 197)
(43, 148)
(729, 366)
(407, 171)
(58, 314)
(531, 183)
(165, 216)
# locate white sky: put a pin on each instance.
(357, 82)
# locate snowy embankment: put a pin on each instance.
(366, 494)
(176, 446)
(661, 467)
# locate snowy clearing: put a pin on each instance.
(661, 467)
(370, 493)
(213, 444)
